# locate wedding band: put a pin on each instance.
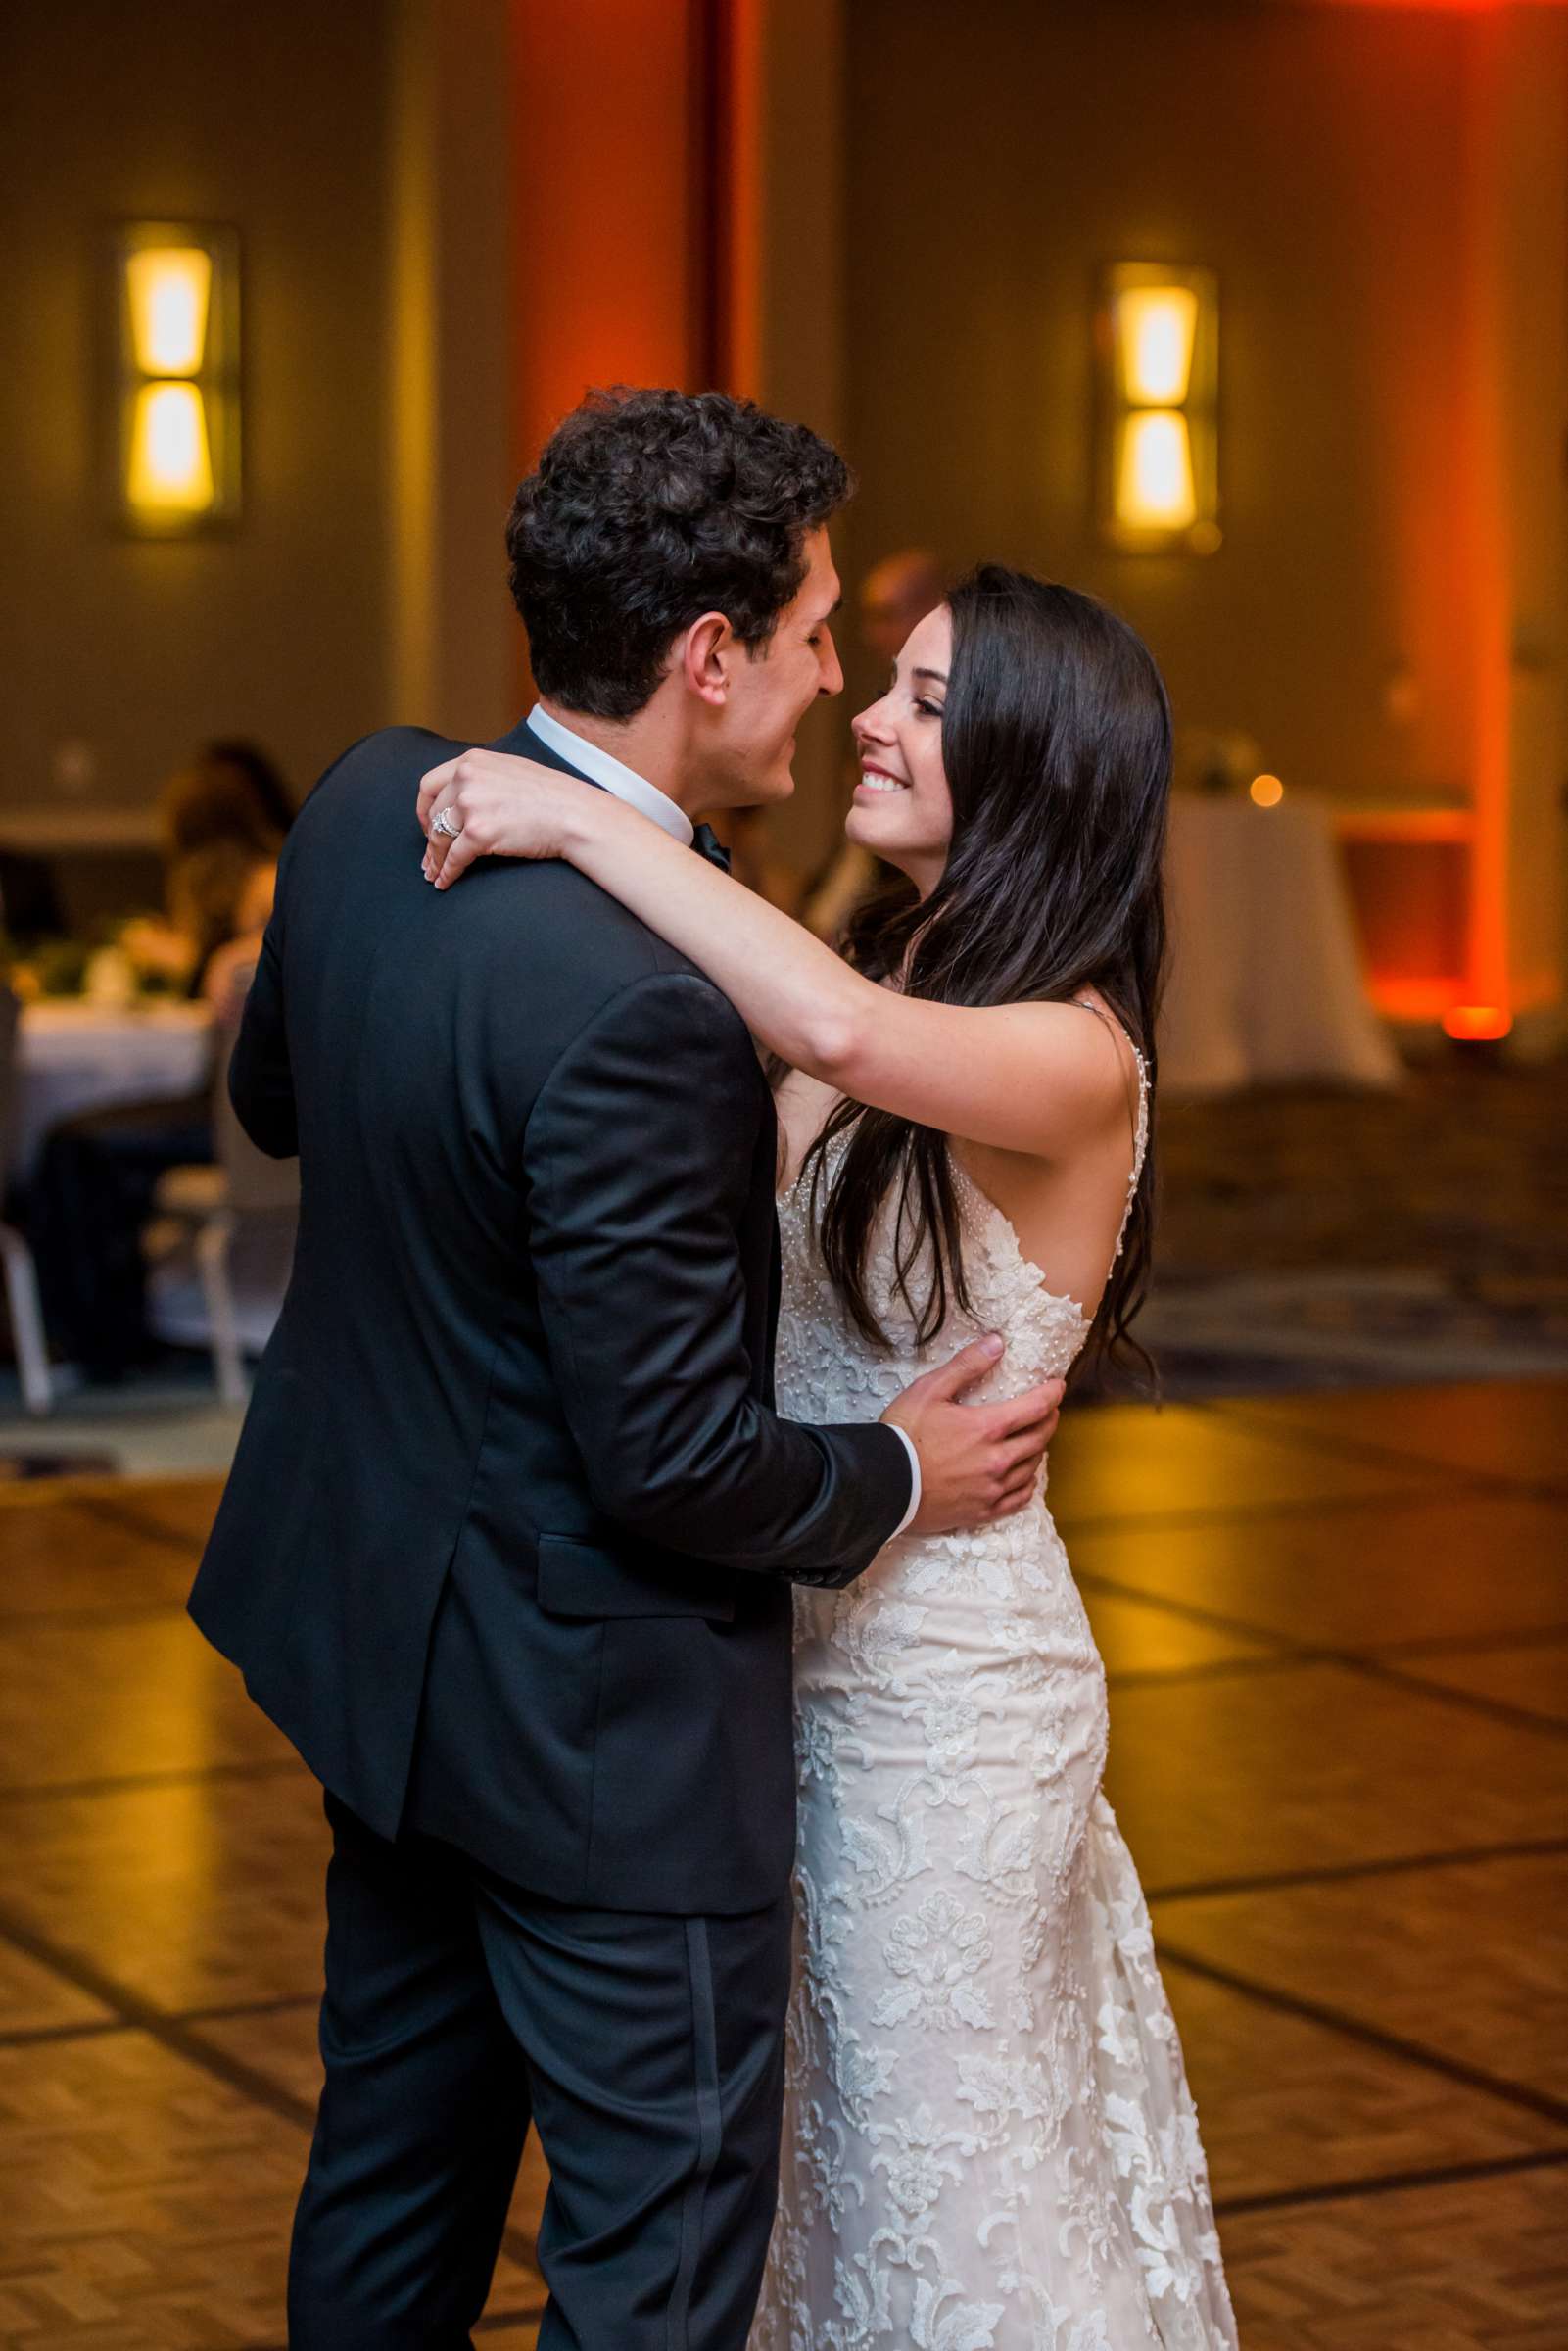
(445, 825)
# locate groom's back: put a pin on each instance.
(419, 1030)
(407, 1424)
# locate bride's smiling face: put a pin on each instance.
(902, 809)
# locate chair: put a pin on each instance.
(20, 1273)
(245, 1197)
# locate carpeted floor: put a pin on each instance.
(1313, 1239)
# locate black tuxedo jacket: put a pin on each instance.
(507, 1546)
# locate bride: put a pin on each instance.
(989, 2142)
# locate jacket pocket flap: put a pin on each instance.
(582, 1579)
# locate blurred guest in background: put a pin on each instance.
(226, 980)
(231, 791)
(895, 596)
(222, 820)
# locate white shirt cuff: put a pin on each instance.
(915, 1479)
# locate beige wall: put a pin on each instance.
(455, 642)
(269, 118)
(787, 255)
(924, 194)
(997, 156)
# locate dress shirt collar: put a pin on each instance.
(615, 777)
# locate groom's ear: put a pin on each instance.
(707, 656)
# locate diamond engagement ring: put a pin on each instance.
(446, 826)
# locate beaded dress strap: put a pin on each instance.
(1140, 1129)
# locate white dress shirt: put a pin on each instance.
(602, 767)
(625, 784)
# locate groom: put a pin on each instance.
(509, 1539)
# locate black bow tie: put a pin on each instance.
(707, 844)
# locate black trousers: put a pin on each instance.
(646, 2051)
(84, 1211)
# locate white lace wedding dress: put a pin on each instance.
(989, 2143)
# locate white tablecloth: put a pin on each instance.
(1265, 983)
(77, 1056)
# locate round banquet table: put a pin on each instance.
(74, 1056)
(1266, 982)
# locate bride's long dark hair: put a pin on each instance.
(1056, 739)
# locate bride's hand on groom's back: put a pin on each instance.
(979, 1462)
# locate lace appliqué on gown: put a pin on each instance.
(989, 2142)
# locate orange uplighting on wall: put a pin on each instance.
(624, 196)
(1409, 876)
(174, 421)
(1477, 1023)
(1158, 460)
(1430, 8)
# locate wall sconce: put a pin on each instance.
(1159, 469)
(175, 409)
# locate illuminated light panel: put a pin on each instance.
(168, 288)
(1153, 481)
(1477, 1023)
(171, 470)
(1157, 458)
(1155, 328)
(1266, 792)
(171, 423)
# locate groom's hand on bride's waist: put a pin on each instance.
(977, 1461)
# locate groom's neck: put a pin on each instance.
(647, 743)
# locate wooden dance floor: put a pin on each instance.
(1337, 1628)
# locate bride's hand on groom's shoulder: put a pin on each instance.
(490, 804)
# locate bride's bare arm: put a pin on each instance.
(1033, 1078)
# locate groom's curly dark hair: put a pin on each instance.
(647, 509)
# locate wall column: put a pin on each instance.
(1516, 284)
(787, 307)
(455, 643)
